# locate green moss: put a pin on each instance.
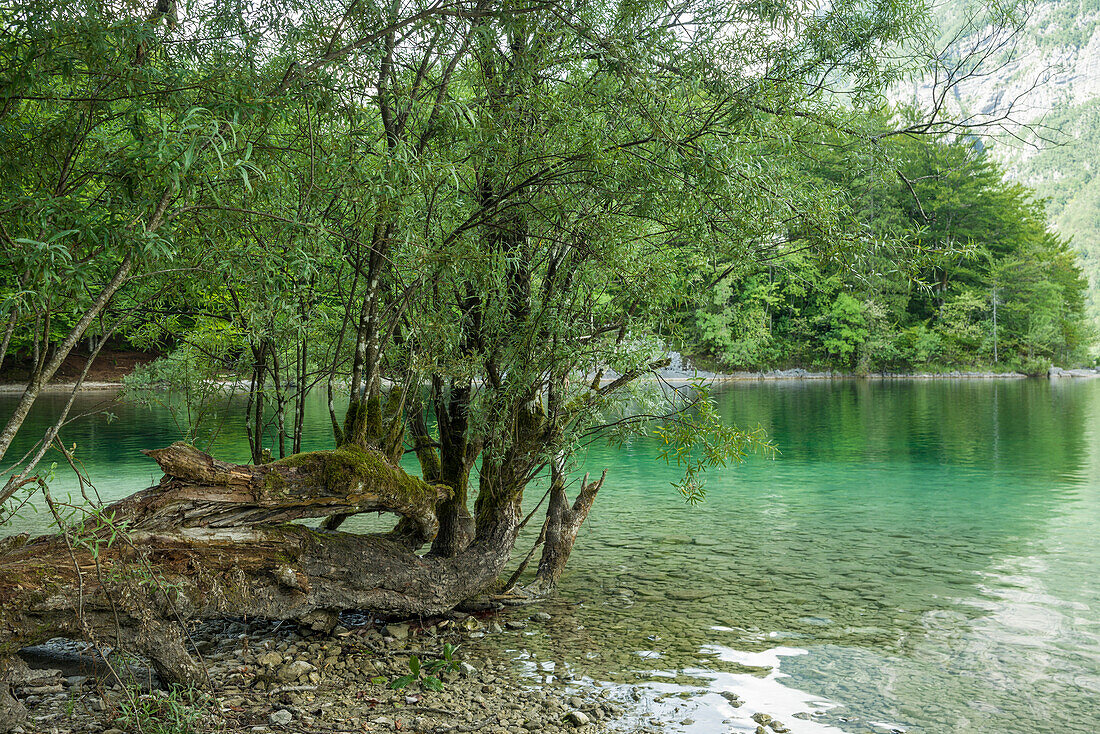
(430, 464)
(363, 423)
(274, 485)
(346, 467)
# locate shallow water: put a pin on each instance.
(921, 556)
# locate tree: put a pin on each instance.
(473, 212)
(963, 233)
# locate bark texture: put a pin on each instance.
(563, 522)
(211, 541)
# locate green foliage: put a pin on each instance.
(845, 329)
(1064, 174)
(172, 712)
(697, 440)
(427, 675)
(984, 283)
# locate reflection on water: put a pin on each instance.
(921, 556)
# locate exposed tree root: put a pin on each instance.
(212, 540)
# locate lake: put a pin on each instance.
(920, 556)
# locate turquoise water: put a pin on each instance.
(921, 556)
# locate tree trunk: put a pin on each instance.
(207, 542)
(560, 532)
(456, 524)
(35, 385)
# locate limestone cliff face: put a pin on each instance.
(1051, 64)
(1059, 50)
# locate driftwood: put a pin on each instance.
(214, 539)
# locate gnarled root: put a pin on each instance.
(209, 541)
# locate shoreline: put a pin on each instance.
(801, 374)
(270, 677)
(793, 374)
(15, 388)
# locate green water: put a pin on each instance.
(921, 556)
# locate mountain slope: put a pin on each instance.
(1049, 78)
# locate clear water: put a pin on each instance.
(921, 556)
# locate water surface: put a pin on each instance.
(921, 556)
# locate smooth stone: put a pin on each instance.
(282, 717)
(270, 659)
(294, 671)
(577, 718)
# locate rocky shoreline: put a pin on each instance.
(270, 678)
(797, 373)
(680, 375)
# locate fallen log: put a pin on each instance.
(214, 540)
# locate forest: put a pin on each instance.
(988, 284)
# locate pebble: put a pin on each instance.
(270, 659)
(282, 717)
(270, 677)
(294, 670)
(577, 718)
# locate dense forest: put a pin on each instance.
(987, 284)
